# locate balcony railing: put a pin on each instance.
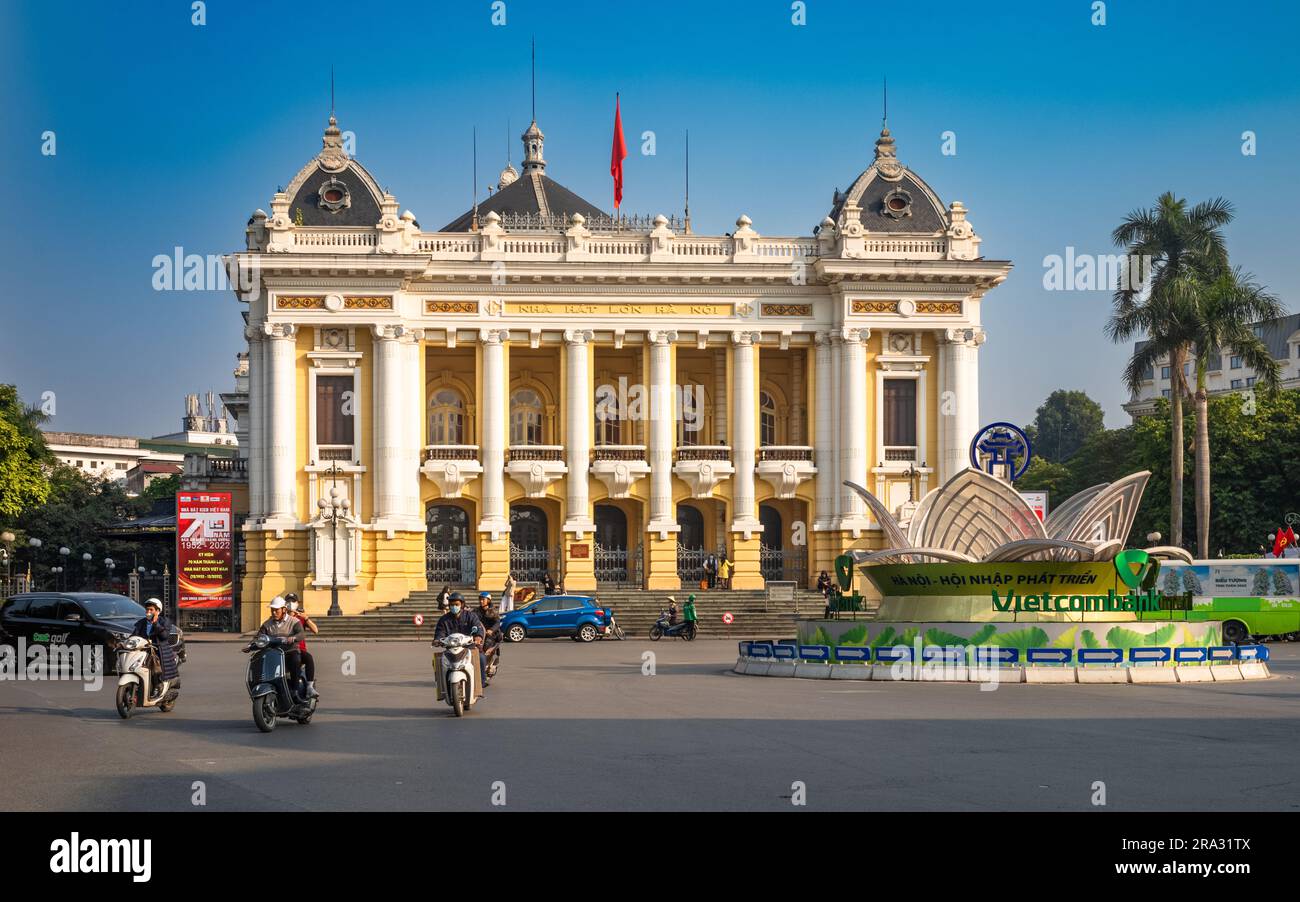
(451, 452)
(900, 454)
(205, 466)
(334, 452)
(703, 452)
(535, 452)
(618, 452)
(785, 452)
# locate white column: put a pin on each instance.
(256, 415)
(744, 438)
(578, 416)
(493, 409)
(388, 416)
(663, 519)
(282, 421)
(413, 427)
(720, 396)
(853, 433)
(959, 354)
(796, 397)
(825, 432)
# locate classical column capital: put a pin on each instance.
(279, 330)
(578, 336)
(494, 336)
(388, 332)
(822, 338)
(662, 337)
(971, 336)
(851, 335)
(745, 338)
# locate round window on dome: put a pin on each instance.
(334, 196)
(898, 203)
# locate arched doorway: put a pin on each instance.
(448, 546)
(611, 544)
(531, 557)
(771, 544)
(690, 544)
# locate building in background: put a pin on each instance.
(542, 389)
(1227, 372)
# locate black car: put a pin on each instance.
(76, 618)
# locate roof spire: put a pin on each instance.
(688, 182)
(333, 158)
(533, 139)
(886, 161)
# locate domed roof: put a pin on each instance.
(889, 197)
(333, 189)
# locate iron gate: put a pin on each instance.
(532, 565)
(784, 564)
(455, 566)
(618, 566)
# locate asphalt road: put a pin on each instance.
(570, 726)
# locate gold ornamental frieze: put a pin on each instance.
(300, 303)
(470, 307)
(786, 309)
(609, 308)
(938, 307)
(907, 307)
(381, 302)
(875, 307)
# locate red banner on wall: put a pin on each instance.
(204, 574)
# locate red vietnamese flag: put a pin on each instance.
(617, 155)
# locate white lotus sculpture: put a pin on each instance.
(978, 517)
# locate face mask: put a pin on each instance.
(293, 605)
(455, 609)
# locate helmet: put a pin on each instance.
(153, 603)
(277, 602)
(291, 597)
(672, 600)
(690, 598)
(485, 596)
(456, 596)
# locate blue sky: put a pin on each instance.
(170, 134)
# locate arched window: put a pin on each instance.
(446, 418)
(526, 417)
(766, 419)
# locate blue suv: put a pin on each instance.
(578, 616)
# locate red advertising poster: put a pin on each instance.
(204, 574)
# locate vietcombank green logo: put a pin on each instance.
(1133, 566)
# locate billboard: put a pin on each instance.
(204, 551)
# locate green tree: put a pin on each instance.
(1181, 244)
(1225, 308)
(1063, 422)
(24, 459)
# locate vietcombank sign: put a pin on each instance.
(1134, 568)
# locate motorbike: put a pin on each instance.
(135, 683)
(269, 684)
(457, 672)
(684, 629)
(613, 630)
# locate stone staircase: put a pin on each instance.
(636, 611)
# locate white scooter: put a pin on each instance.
(458, 672)
(134, 689)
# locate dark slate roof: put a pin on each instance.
(925, 217)
(520, 196)
(363, 211)
(1275, 332)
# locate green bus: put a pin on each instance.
(1256, 598)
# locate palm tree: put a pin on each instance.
(1181, 246)
(1225, 311)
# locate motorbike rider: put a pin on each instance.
(688, 610)
(281, 625)
(155, 627)
(308, 662)
(491, 621)
(460, 619)
(672, 611)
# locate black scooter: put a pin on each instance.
(268, 684)
(684, 629)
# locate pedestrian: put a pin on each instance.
(725, 569)
(443, 597)
(508, 596)
(548, 585)
(824, 585)
(711, 571)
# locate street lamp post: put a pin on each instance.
(64, 551)
(8, 551)
(332, 509)
(912, 473)
(35, 544)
